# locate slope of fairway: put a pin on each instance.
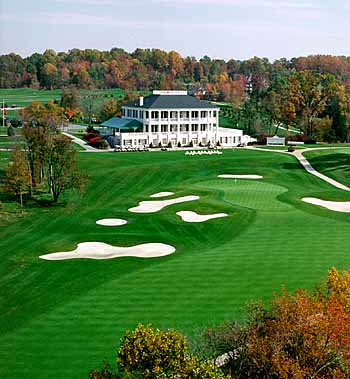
(333, 163)
(59, 318)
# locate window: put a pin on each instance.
(214, 125)
(184, 115)
(164, 128)
(204, 127)
(147, 115)
(164, 141)
(141, 114)
(129, 113)
(204, 114)
(154, 114)
(214, 114)
(134, 113)
(154, 128)
(145, 127)
(194, 114)
(184, 141)
(173, 115)
(184, 128)
(123, 112)
(164, 115)
(194, 127)
(173, 128)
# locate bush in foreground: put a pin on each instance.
(302, 335)
(146, 353)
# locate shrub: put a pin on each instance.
(150, 145)
(190, 144)
(11, 131)
(310, 140)
(179, 144)
(170, 145)
(291, 149)
(16, 122)
(146, 353)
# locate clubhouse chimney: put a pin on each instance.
(141, 101)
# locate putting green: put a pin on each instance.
(59, 318)
(250, 194)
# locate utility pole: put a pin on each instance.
(3, 113)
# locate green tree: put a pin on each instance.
(17, 178)
(109, 108)
(61, 166)
(316, 91)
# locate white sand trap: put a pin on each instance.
(162, 194)
(189, 216)
(100, 250)
(229, 176)
(111, 222)
(337, 206)
(157, 205)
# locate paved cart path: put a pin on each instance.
(306, 164)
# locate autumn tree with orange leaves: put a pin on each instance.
(301, 335)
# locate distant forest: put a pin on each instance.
(311, 93)
(145, 69)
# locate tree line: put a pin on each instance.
(46, 160)
(311, 93)
(153, 68)
(299, 335)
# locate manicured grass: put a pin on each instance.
(334, 163)
(24, 96)
(58, 319)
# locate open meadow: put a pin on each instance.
(59, 318)
(22, 97)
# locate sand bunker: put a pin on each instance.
(162, 194)
(111, 222)
(337, 206)
(229, 176)
(157, 205)
(99, 250)
(189, 216)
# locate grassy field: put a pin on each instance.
(24, 96)
(58, 319)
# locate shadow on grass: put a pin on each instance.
(292, 166)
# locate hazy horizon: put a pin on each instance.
(221, 29)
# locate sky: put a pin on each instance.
(225, 29)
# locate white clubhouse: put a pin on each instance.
(171, 118)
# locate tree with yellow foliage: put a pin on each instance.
(17, 178)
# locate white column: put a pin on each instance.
(190, 127)
(178, 126)
(159, 127)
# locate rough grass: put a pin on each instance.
(58, 319)
(334, 163)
